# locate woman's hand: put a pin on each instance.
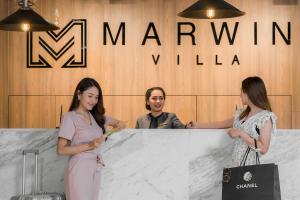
(234, 133)
(191, 124)
(95, 143)
(121, 125)
(117, 125)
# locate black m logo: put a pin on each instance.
(58, 47)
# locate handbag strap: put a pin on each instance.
(256, 153)
(255, 144)
(245, 156)
(243, 162)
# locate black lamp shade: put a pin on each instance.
(220, 9)
(26, 15)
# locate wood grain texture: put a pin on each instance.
(218, 108)
(27, 111)
(296, 73)
(3, 68)
(114, 65)
(125, 71)
(62, 105)
(31, 112)
(129, 108)
(296, 120)
(282, 107)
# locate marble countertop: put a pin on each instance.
(147, 164)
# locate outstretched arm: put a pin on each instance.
(211, 125)
(176, 123)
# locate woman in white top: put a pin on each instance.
(255, 122)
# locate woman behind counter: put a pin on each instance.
(80, 136)
(154, 101)
(255, 122)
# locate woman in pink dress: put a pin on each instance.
(80, 136)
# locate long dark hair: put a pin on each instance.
(256, 91)
(148, 95)
(98, 110)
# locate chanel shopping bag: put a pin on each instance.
(253, 182)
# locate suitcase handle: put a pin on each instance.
(36, 153)
(26, 151)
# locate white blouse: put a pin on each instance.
(250, 126)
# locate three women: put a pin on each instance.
(83, 127)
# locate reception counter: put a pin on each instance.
(147, 164)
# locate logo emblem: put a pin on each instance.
(226, 175)
(247, 176)
(66, 48)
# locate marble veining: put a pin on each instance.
(147, 164)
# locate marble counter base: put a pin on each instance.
(51, 167)
(147, 164)
(186, 165)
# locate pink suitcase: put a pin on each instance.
(36, 195)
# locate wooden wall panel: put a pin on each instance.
(282, 107)
(31, 112)
(112, 65)
(296, 120)
(129, 108)
(3, 68)
(125, 71)
(296, 79)
(183, 106)
(132, 107)
(126, 108)
(218, 108)
(62, 104)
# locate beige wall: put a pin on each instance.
(3, 68)
(207, 92)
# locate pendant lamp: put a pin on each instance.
(211, 9)
(26, 19)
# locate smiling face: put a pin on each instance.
(88, 98)
(156, 101)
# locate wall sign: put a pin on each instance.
(71, 62)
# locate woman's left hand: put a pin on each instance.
(121, 125)
(95, 143)
(234, 133)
